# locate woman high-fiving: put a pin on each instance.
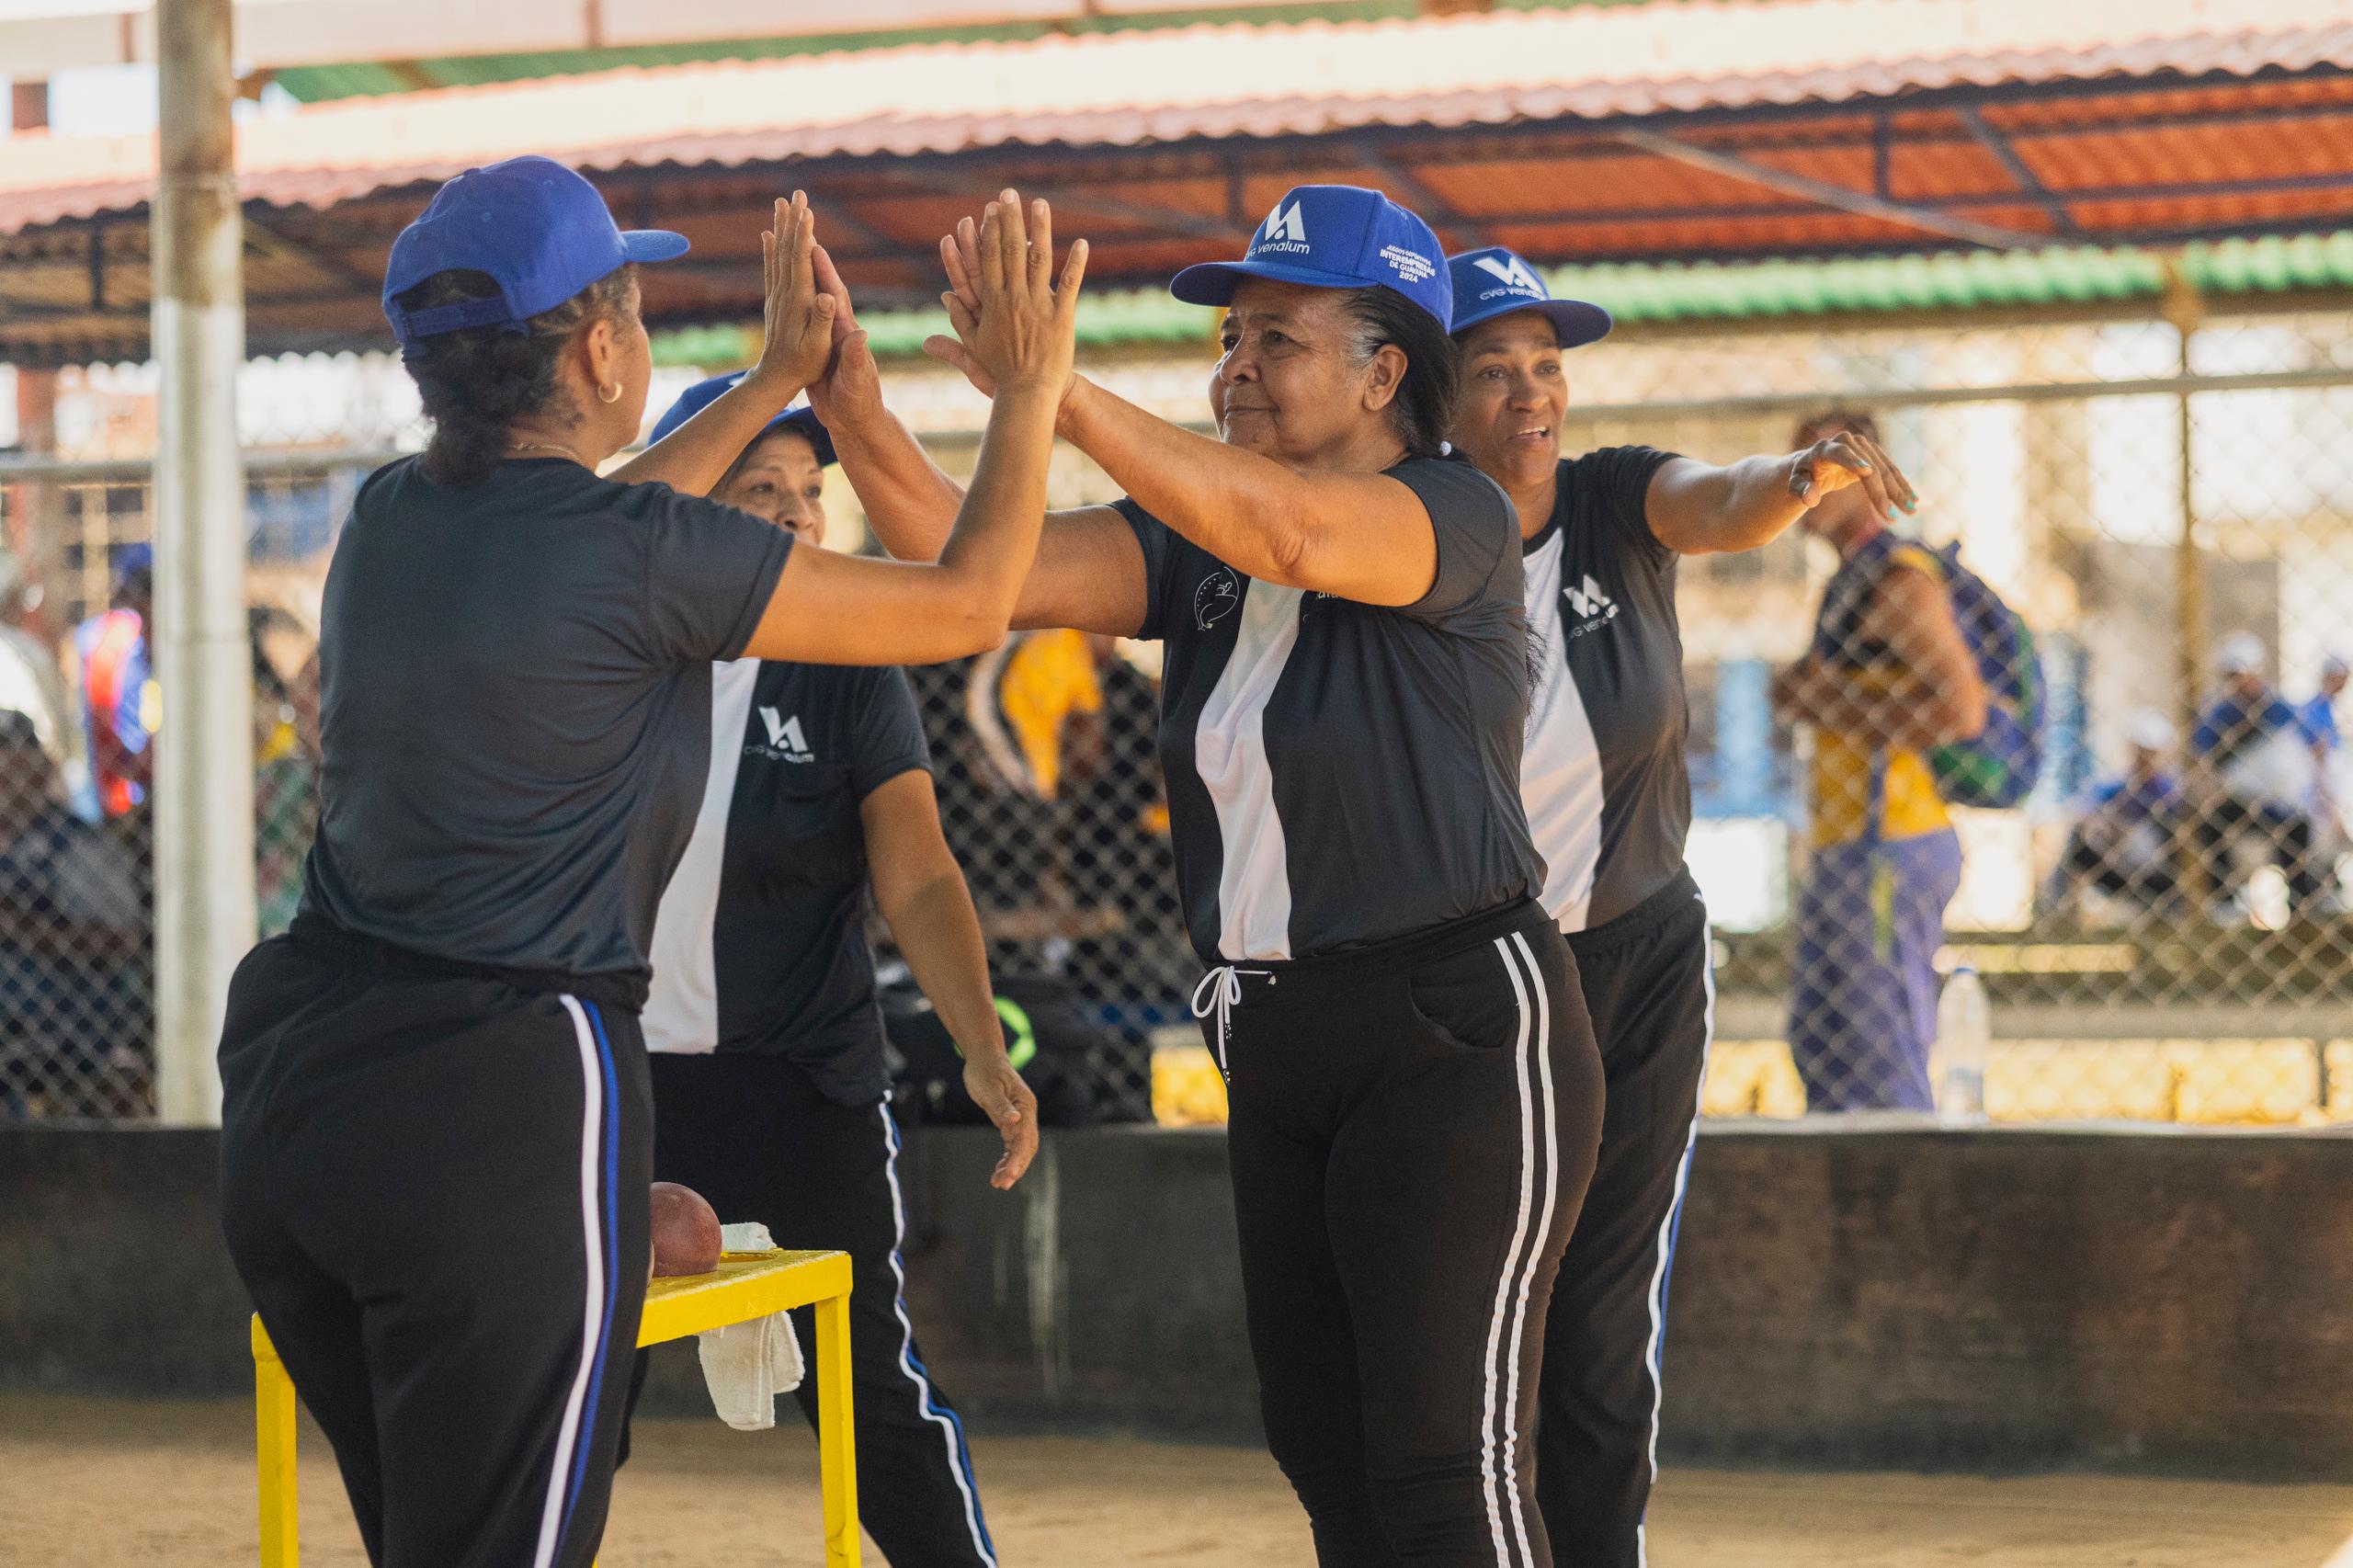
(437, 1136)
(1416, 1091)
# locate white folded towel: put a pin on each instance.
(748, 1236)
(746, 1365)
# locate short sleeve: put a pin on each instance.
(2301, 721)
(1476, 533)
(886, 731)
(710, 571)
(1617, 486)
(1158, 542)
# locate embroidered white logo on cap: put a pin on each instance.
(1513, 271)
(1285, 223)
(1284, 230)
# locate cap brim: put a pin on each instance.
(1214, 282)
(803, 421)
(653, 244)
(1575, 322)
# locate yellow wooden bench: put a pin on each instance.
(744, 1287)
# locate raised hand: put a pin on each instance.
(851, 385)
(1011, 321)
(1851, 457)
(798, 319)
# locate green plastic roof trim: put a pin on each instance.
(1953, 280)
(1728, 291)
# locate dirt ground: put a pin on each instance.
(101, 1482)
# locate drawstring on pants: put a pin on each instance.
(1218, 993)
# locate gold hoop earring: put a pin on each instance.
(611, 395)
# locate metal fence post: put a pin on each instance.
(204, 762)
(2183, 310)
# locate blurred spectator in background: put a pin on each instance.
(30, 682)
(285, 763)
(1051, 699)
(1888, 677)
(115, 679)
(72, 938)
(2258, 764)
(2320, 708)
(2330, 839)
(2125, 845)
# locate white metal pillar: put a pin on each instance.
(204, 756)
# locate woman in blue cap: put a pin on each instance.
(771, 1089)
(436, 1134)
(1608, 797)
(1416, 1094)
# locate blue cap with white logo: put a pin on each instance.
(1495, 282)
(1333, 236)
(800, 417)
(540, 230)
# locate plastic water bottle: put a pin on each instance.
(1964, 1029)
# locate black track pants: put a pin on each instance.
(1413, 1128)
(435, 1187)
(756, 1137)
(1649, 985)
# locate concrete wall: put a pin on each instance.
(2173, 1300)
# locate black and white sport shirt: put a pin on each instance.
(1342, 773)
(760, 945)
(1604, 776)
(515, 701)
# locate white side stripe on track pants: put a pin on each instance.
(1508, 1329)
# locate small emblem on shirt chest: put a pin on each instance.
(1594, 608)
(785, 742)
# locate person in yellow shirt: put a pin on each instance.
(1888, 679)
(1050, 696)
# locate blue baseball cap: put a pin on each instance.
(1495, 282)
(702, 394)
(1333, 236)
(537, 228)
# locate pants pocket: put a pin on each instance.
(1467, 999)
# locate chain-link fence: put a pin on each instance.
(2148, 885)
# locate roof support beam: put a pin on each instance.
(1837, 197)
(1420, 195)
(273, 242)
(2028, 182)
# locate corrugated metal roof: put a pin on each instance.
(1687, 130)
(1211, 82)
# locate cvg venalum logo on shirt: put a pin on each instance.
(785, 743)
(1215, 599)
(1598, 608)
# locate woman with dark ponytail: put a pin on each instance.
(1416, 1091)
(435, 1123)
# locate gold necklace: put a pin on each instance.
(517, 447)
